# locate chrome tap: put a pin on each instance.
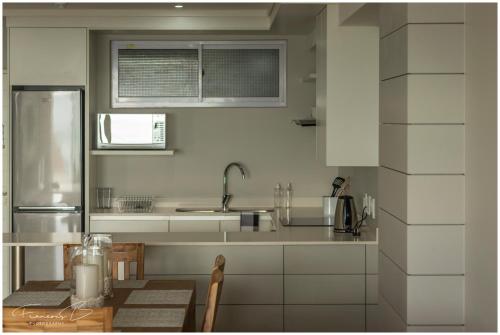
(226, 197)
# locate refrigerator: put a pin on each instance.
(47, 170)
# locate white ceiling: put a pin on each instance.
(153, 9)
(272, 18)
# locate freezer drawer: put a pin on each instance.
(46, 263)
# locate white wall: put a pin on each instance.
(264, 139)
(481, 167)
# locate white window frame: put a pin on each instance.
(200, 101)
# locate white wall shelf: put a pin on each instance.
(132, 152)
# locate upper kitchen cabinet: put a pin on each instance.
(48, 56)
(347, 91)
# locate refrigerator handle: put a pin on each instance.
(49, 208)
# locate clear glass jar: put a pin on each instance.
(76, 258)
(93, 255)
(98, 249)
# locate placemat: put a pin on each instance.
(129, 283)
(65, 285)
(43, 298)
(162, 297)
(149, 317)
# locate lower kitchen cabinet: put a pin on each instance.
(194, 226)
(230, 225)
(129, 226)
(245, 318)
(371, 289)
(324, 259)
(238, 289)
(324, 318)
(195, 260)
(324, 288)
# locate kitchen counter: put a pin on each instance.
(267, 233)
(282, 236)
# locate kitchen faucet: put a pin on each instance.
(226, 197)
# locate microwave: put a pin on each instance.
(131, 131)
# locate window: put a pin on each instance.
(198, 73)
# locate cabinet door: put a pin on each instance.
(48, 56)
(324, 289)
(324, 259)
(128, 226)
(194, 226)
(230, 225)
(324, 318)
(245, 318)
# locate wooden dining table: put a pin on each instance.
(120, 296)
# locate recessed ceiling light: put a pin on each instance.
(178, 6)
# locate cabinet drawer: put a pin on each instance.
(230, 225)
(199, 259)
(235, 226)
(325, 318)
(371, 289)
(324, 289)
(337, 259)
(128, 226)
(48, 56)
(372, 259)
(238, 289)
(194, 226)
(245, 318)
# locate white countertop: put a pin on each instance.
(170, 213)
(166, 213)
(282, 236)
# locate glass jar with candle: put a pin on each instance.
(105, 242)
(93, 255)
(75, 256)
(101, 245)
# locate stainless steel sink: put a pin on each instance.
(199, 210)
(219, 210)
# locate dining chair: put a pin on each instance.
(127, 253)
(122, 253)
(214, 293)
(31, 319)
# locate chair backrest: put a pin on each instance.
(214, 293)
(127, 253)
(31, 319)
(122, 253)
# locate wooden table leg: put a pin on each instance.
(17, 267)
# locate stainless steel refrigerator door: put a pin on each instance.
(47, 152)
(46, 263)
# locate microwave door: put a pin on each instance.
(131, 131)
